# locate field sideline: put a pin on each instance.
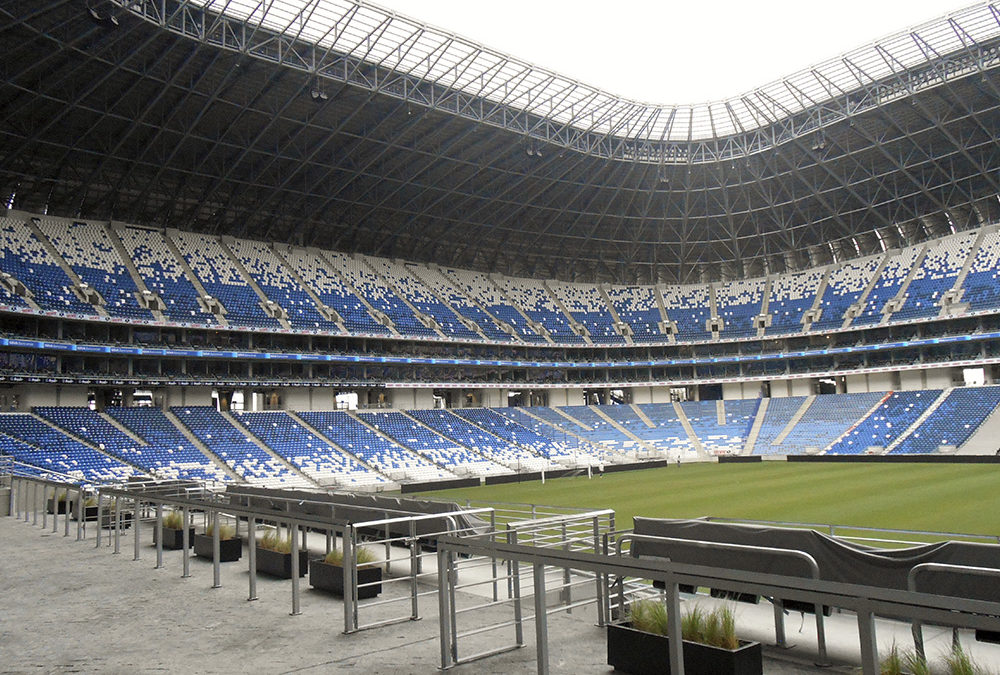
(943, 498)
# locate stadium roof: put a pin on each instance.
(339, 124)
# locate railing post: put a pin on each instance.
(66, 512)
(117, 524)
(185, 543)
(541, 621)
(674, 626)
(346, 540)
(252, 555)
(779, 622)
(136, 506)
(514, 580)
(294, 536)
(100, 513)
(869, 645)
(159, 535)
(414, 547)
(444, 615)
(493, 558)
(599, 578)
(79, 514)
(216, 538)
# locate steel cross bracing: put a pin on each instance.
(177, 132)
(391, 55)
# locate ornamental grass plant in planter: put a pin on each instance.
(89, 510)
(328, 573)
(897, 662)
(108, 520)
(640, 644)
(230, 546)
(274, 556)
(57, 502)
(173, 531)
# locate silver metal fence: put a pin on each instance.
(865, 601)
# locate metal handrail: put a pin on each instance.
(911, 584)
(779, 620)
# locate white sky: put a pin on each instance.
(674, 51)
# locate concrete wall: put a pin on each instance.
(559, 398)
(187, 396)
(642, 394)
(938, 378)
(413, 399)
(801, 387)
(876, 382)
(37, 394)
(732, 390)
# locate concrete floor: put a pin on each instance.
(66, 606)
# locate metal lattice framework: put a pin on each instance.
(336, 123)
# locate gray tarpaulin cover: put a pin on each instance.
(355, 508)
(838, 560)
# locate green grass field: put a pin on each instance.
(943, 498)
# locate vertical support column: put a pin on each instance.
(185, 535)
(65, 514)
(294, 536)
(350, 592)
(515, 583)
(415, 570)
(869, 646)
(252, 555)
(676, 637)
(779, 622)
(216, 564)
(159, 535)
(599, 578)
(820, 637)
(45, 504)
(117, 524)
(80, 514)
(566, 593)
(541, 621)
(493, 559)
(34, 501)
(100, 516)
(444, 614)
(135, 527)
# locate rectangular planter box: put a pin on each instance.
(733, 595)
(280, 564)
(56, 507)
(640, 653)
(992, 636)
(327, 577)
(108, 518)
(173, 540)
(230, 550)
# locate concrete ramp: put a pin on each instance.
(986, 440)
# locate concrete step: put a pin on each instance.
(689, 430)
(799, 414)
(758, 422)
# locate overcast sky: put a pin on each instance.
(672, 51)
